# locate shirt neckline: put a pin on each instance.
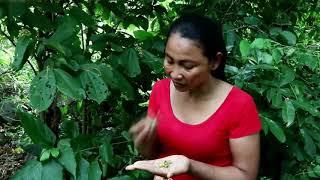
(205, 121)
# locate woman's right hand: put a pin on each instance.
(144, 136)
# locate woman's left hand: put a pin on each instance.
(165, 167)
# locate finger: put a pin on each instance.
(146, 165)
(158, 178)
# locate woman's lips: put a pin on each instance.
(177, 83)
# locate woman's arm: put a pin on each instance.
(245, 156)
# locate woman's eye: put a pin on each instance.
(188, 66)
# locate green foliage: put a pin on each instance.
(96, 60)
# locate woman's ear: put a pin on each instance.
(216, 62)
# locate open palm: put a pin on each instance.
(165, 167)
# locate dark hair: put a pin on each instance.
(205, 32)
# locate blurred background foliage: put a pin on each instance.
(74, 75)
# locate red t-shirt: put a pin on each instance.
(208, 141)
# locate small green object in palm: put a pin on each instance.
(165, 164)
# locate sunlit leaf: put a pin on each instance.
(244, 47)
(288, 112)
(37, 130)
(32, 170)
(42, 90)
(22, 52)
(52, 170)
(69, 85)
(94, 171)
(94, 86)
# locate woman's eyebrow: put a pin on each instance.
(180, 60)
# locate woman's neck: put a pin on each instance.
(205, 91)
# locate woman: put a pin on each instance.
(198, 126)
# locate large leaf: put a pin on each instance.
(65, 30)
(67, 157)
(69, 85)
(260, 43)
(94, 171)
(276, 130)
(31, 171)
(288, 112)
(130, 61)
(83, 170)
(288, 37)
(287, 75)
(70, 128)
(152, 61)
(142, 35)
(122, 178)
(309, 145)
(42, 90)
(244, 47)
(106, 153)
(52, 170)
(309, 60)
(37, 130)
(123, 84)
(94, 86)
(58, 47)
(82, 16)
(22, 52)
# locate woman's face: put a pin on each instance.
(184, 61)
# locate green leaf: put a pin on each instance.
(94, 86)
(122, 178)
(260, 43)
(123, 84)
(58, 47)
(142, 35)
(106, 153)
(309, 60)
(42, 90)
(276, 130)
(252, 21)
(22, 51)
(65, 30)
(288, 37)
(154, 62)
(81, 16)
(277, 54)
(83, 170)
(264, 57)
(52, 170)
(130, 61)
(264, 124)
(94, 171)
(36, 129)
(45, 155)
(309, 145)
(32, 170)
(67, 157)
(69, 85)
(70, 128)
(288, 112)
(54, 152)
(244, 47)
(287, 75)
(36, 19)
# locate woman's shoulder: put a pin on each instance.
(240, 96)
(162, 83)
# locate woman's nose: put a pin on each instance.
(175, 74)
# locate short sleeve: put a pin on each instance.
(153, 106)
(248, 121)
